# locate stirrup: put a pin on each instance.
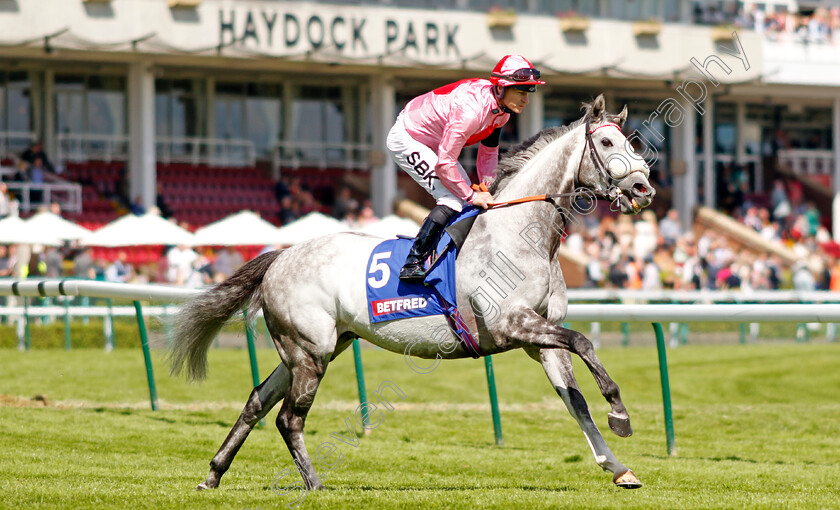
(413, 273)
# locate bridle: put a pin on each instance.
(609, 191)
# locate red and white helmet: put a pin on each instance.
(515, 70)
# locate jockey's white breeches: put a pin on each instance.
(419, 161)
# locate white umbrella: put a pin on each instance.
(14, 230)
(392, 226)
(240, 229)
(54, 225)
(308, 227)
(147, 230)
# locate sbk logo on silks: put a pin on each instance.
(386, 306)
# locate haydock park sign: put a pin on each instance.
(352, 33)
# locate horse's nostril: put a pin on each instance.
(641, 189)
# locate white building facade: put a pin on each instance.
(318, 84)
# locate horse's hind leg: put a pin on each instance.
(557, 364)
(307, 371)
(262, 399)
(528, 329)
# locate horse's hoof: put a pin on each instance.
(627, 480)
(204, 486)
(620, 426)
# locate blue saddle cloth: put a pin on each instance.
(390, 298)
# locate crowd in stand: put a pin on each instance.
(819, 25)
(633, 252)
(648, 253)
(297, 200)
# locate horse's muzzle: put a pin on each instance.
(636, 193)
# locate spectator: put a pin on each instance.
(344, 204)
(180, 260)
(160, 202)
(288, 210)
(5, 262)
(83, 265)
(670, 228)
(35, 152)
(227, 261)
(137, 208)
(55, 262)
(36, 176)
(803, 278)
(119, 270)
(651, 275)
(9, 205)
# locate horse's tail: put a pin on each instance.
(198, 321)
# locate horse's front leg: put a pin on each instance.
(557, 364)
(525, 328)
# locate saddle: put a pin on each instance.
(389, 298)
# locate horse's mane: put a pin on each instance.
(517, 156)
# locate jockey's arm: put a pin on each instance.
(454, 138)
(488, 157)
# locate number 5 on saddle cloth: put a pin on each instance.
(389, 298)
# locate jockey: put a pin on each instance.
(433, 128)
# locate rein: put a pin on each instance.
(612, 193)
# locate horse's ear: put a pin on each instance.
(621, 117)
(598, 107)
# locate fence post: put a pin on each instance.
(625, 334)
(167, 324)
(27, 334)
(252, 355)
(666, 388)
(742, 333)
(109, 329)
(360, 382)
(494, 401)
(67, 337)
(268, 335)
(147, 355)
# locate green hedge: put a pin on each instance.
(91, 335)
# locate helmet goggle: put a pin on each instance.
(524, 74)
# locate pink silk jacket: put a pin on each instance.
(452, 117)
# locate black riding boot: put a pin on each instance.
(414, 269)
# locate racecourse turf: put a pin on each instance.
(757, 426)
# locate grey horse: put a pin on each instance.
(314, 302)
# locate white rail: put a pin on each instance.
(67, 195)
(210, 151)
(12, 143)
(87, 146)
(761, 312)
(296, 154)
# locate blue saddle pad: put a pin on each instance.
(390, 298)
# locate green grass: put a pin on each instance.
(756, 427)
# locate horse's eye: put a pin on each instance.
(606, 142)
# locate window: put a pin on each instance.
(251, 112)
(90, 104)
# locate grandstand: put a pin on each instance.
(204, 106)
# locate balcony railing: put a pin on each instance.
(67, 195)
(15, 142)
(294, 154)
(808, 161)
(87, 146)
(209, 151)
